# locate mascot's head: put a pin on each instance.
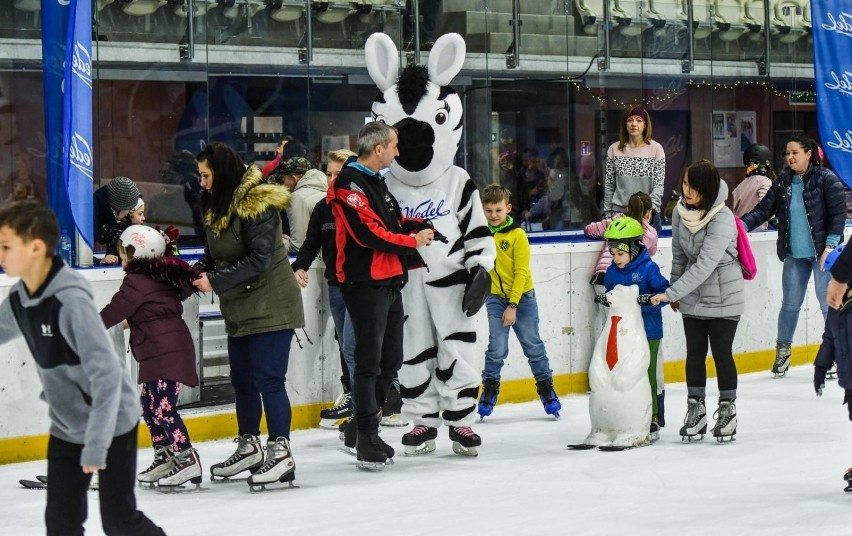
(426, 112)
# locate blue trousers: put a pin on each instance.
(258, 374)
(526, 329)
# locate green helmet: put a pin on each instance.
(624, 229)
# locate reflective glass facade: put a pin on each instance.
(545, 85)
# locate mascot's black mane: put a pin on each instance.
(412, 87)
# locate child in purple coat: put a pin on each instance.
(150, 301)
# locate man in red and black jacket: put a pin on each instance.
(372, 239)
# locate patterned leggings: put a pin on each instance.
(159, 409)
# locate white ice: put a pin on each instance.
(783, 475)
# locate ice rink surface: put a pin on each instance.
(782, 476)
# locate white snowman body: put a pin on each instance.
(620, 405)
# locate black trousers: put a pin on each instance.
(377, 318)
(67, 507)
(720, 334)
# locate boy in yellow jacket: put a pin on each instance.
(512, 304)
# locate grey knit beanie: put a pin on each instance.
(122, 193)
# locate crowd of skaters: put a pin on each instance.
(365, 246)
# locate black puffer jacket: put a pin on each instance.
(825, 204)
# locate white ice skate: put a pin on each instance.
(278, 467)
(695, 423)
(247, 457)
(726, 422)
(186, 467)
(158, 469)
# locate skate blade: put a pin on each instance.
(221, 480)
(332, 423)
(461, 450)
(692, 438)
(581, 446)
(374, 467)
(426, 448)
(347, 450)
(181, 488)
(848, 488)
(722, 439)
(394, 420)
(272, 486)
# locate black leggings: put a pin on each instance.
(720, 333)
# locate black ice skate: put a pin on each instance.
(783, 355)
(655, 431)
(548, 397)
(247, 457)
(490, 390)
(337, 414)
(158, 469)
(278, 467)
(186, 467)
(726, 421)
(392, 410)
(831, 374)
(420, 440)
(370, 451)
(848, 478)
(464, 440)
(349, 436)
(695, 422)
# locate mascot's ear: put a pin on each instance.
(382, 60)
(446, 59)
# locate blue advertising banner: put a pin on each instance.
(66, 53)
(78, 156)
(54, 27)
(832, 31)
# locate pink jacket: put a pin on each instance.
(596, 229)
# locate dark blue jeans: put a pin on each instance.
(258, 374)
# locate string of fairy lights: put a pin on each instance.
(653, 96)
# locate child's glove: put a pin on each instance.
(600, 299)
(644, 299)
(819, 379)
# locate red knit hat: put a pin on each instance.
(639, 112)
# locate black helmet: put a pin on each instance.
(757, 154)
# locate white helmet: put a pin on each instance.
(146, 241)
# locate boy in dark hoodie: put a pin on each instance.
(150, 300)
(91, 400)
(512, 304)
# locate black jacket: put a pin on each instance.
(825, 204)
(319, 238)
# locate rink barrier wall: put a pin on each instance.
(212, 426)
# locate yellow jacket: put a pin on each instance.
(511, 276)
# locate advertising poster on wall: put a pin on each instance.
(732, 133)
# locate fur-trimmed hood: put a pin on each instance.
(171, 270)
(252, 198)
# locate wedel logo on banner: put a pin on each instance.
(832, 29)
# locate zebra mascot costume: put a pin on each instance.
(437, 382)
